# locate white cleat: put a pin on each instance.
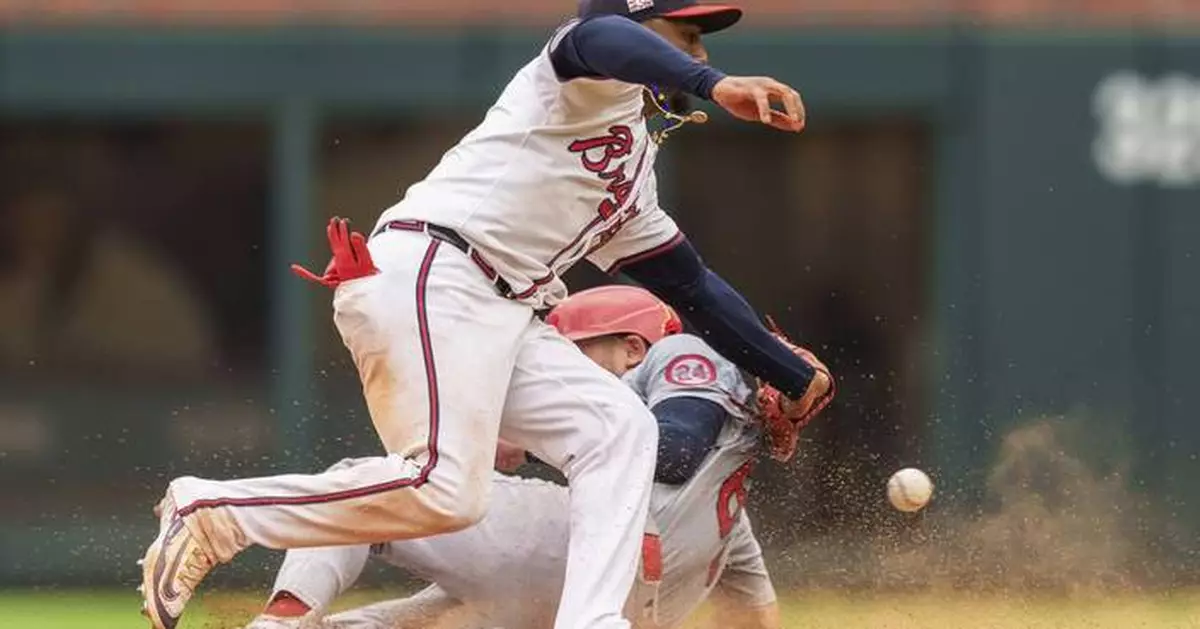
(173, 567)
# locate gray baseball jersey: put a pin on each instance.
(706, 540)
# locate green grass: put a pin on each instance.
(74, 609)
(109, 610)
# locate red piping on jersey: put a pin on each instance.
(645, 255)
(434, 419)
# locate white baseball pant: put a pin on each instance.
(447, 366)
(431, 608)
(507, 569)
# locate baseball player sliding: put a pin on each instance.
(437, 310)
(507, 571)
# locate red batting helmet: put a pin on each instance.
(615, 309)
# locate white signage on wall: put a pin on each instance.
(1149, 129)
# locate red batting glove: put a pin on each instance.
(351, 258)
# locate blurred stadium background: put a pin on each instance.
(990, 230)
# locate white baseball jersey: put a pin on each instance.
(508, 569)
(556, 172)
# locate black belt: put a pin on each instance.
(452, 238)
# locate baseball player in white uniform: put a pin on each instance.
(507, 571)
(438, 312)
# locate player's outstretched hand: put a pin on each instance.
(751, 97)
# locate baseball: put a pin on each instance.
(909, 489)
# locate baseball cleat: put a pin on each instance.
(173, 567)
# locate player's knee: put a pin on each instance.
(447, 499)
(453, 508)
(466, 511)
(431, 514)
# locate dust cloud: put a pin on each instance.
(1053, 522)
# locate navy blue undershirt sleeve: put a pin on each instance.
(688, 428)
(615, 47)
(721, 316)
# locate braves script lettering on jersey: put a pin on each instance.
(706, 538)
(618, 143)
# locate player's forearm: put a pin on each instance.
(722, 317)
(618, 48)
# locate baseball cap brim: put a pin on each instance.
(709, 17)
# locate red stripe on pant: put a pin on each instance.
(434, 416)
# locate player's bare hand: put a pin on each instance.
(753, 98)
